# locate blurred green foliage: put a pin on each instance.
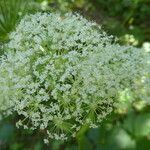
(128, 128)
(127, 17)
(10, 12)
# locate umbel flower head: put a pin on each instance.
(61, 73)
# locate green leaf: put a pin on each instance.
(138, 125)
(120, 139)
(10, 13)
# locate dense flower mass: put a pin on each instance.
(61, 73)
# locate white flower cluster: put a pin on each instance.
(61, 73)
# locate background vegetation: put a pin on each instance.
(129, 126)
